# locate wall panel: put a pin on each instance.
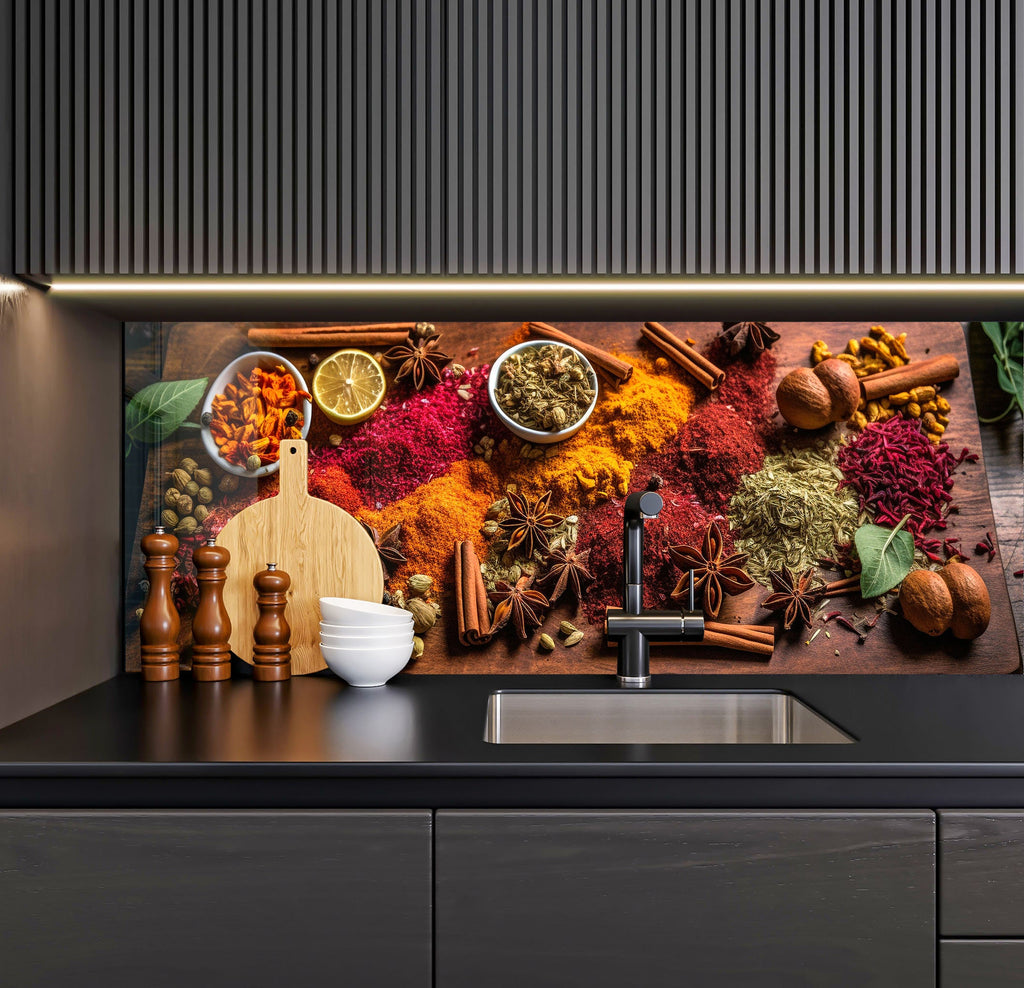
(508, 136)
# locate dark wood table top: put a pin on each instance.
(1003, 444)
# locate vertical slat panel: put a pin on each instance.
(518, 136)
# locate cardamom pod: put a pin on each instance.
(574, 639)
(567, 628)
(424, 617)
(168, 518)
(186, 526)
(171, 496)
(417, 646)
(191, 488)
(189, 465)
(180, 478)
(334, 439)
(489, 528)
(547, 643)
(420, 584)
(201, 513)
(203, 477)
(204, 495)
(254, 462)
(184, 505)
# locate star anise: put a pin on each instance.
(795, 596)
(519, 605)
(568, 568)
(528, 524)
(388, 546)
(716, 575)
(420, 359)
(752, 336)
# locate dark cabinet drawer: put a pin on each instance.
(981, 963)
(603, 898)
(981, 873)
(172, 899)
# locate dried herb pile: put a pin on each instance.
(791, 512)
(544, 387)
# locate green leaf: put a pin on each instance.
(158, 409)
(994, 331)
(886, 556)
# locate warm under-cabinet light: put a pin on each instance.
(588, 287)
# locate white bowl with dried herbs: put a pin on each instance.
(542, 392)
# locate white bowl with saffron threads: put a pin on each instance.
(244, 365)
(542, 437)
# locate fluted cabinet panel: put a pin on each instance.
(518, 136)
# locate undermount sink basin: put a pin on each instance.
(655, 717)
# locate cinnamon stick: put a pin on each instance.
(735, 638)
(470, 596)
(916, 374)
(693, 362)
(748, 632)
(383, 335)
(618, 370)
(839, 588)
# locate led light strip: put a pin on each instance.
(552, 285)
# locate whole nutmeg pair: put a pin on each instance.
(954, 597)
(811, 398)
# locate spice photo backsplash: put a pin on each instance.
(499, 526)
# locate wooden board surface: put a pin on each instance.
(322, 548)
(196, 349)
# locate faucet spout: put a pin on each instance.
(631, 626)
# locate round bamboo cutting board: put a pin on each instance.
(323, 548)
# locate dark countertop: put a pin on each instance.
(922, 741)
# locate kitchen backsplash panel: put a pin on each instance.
(505, 550)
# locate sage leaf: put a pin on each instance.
(886, 557)
(158, 409)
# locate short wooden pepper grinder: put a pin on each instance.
(271, 651)
(211, 626)
(159, 624)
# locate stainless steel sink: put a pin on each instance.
(655, 717)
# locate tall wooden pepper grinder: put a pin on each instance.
(271, 651)
(159, 624)
(211, 626)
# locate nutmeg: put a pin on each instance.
(926, 601)
(804, 400)
(811, 399)
(228, 484)
(972, 607)
(842, 385)
(254, 462)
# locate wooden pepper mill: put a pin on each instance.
(211, 626)
(159, 624)
(271, 651)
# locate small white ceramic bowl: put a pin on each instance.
(346, 610)
(244, 365)
(367, 641)
(367, 666)
(540, 436)
(366, 630)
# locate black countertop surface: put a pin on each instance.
(948, 741)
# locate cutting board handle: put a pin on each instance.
(294, 470)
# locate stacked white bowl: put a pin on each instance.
(362, 642)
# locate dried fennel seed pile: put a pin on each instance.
(790, 512)
(544, 387)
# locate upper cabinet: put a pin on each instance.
(517, 136)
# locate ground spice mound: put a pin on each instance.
(712, 453)
(749, 386)
(628, 423)
(413, 437)
(328, 480)
(791, 512)
(435, 516)
(682, 522)
(896, 470)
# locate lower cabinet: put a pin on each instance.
(607, 898)
(981, 963)
(170, 899)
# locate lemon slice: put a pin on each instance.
(348, 386)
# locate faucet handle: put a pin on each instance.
(643, 505)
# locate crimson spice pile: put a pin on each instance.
(821, 520)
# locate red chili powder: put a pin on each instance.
(748, 388)
(897, 470)
(711, 454)
(682, 522)
(412, 438)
